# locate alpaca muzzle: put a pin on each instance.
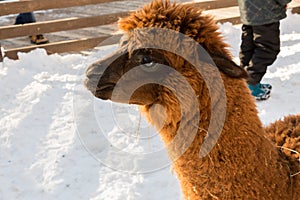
(101, 77)
(93, 75)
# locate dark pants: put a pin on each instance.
(24, 18)
(259, 49)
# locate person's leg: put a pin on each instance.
(267, 46)
(28, 17)
(247, 46)
(24, 18)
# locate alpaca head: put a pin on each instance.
(143, 45)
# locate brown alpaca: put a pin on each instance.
(244, 163)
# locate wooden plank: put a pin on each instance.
(232, 15)
(233, 20)
(33, 5)
(58, 25)
(229, 14)
(296, 10)
(295, 6)
(66, 46)
(214, 4)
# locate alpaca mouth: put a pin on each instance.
(104, 92)
(109, 87)
(99, 90)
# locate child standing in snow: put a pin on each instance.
(260, 40)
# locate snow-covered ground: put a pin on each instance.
(54, 135)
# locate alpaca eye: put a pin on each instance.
(146, 60)
(148, 64)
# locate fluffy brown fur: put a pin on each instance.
(182, 18)
(244, 163)
(285, 134)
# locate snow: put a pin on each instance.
(58, 142)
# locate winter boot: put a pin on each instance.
(38, 39)
(266, 86)
(260, 92)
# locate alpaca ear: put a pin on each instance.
(227, 66)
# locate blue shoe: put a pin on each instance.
(265, 86)
(259, 92)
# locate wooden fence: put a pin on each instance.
(215, 7)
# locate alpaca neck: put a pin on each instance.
(242, 164)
